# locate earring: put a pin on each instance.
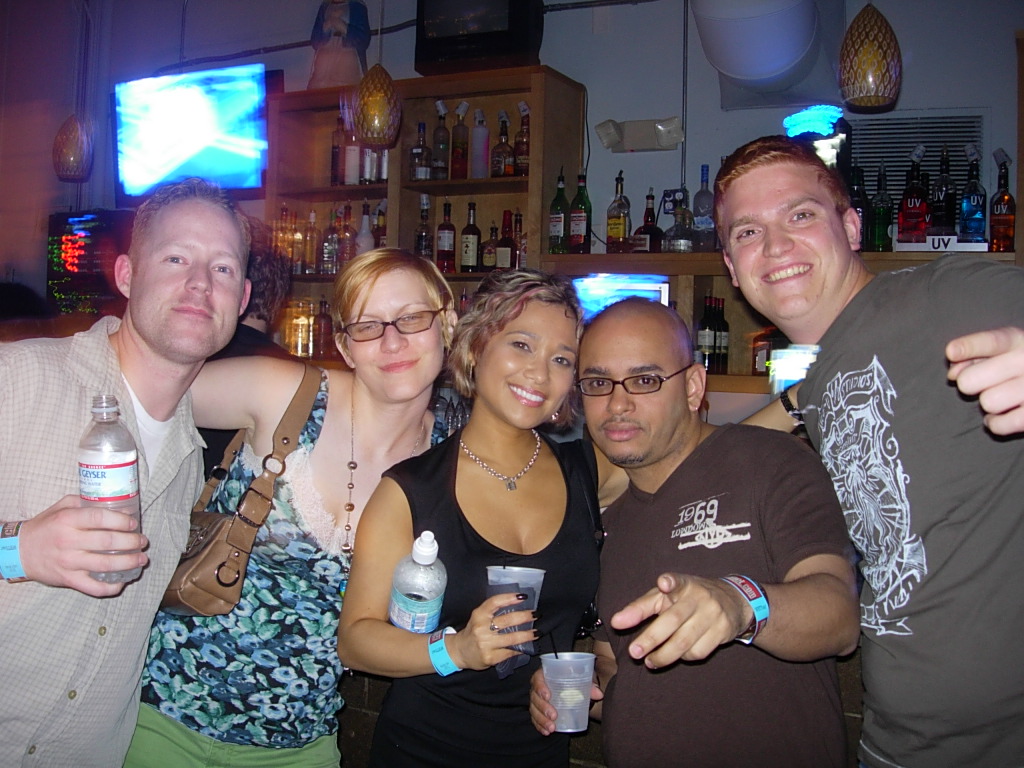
(554, 416)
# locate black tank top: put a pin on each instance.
(473, 718)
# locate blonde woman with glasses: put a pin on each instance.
(259, 686)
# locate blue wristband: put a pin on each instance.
(758, 600)
(439, 657)
(10, 553)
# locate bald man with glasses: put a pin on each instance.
(727, 585)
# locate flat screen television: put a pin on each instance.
(456, 35)
(208, 123)
(600, 290)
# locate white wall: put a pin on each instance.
(630, 57)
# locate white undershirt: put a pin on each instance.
(152, 432)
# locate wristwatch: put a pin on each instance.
(791, 409)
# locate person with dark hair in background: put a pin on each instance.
(270, 276)
(929, 476)
(71, 662)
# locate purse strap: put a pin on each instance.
(256, 502)
(220, 470)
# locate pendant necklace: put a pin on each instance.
(510, 482)
(346, 547)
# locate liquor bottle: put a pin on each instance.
(380, 229)
(558, 240)
(469, 250)
(520, 237)
(580, 217)
(298, 233)
(880, 220)
(300, 328)
(351, 151)
(328, 264)
(489, 250)
(679, 237)
(973, 202)
(913, 211)
(647, 237)
(859, 202)
(942, 199)
(424, 237)
(310, 245)
(502, 159)
(521, 145)
(417, 588)
(479, 147)
(347, 237)
(1003, 210)
(619, 225)
(420, 159)
(369, 170)
(323, 332)
(337, 156)
(446, 241)
(706, 335)
(703, 215)
(507, 252)
(364, 237)
(459, 167)
(442, 144)
(108, 472)
(721, 364)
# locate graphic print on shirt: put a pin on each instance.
(862, 455)
(697, 525)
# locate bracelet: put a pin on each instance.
(758, 600)
(10, 553)
(439, 657)
(794, 412)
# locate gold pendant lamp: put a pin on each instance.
(870, 63)
(73, 145)
(378, 110)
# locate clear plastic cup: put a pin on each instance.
(524, 577)
(569, 676)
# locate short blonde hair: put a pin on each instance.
(500, 299)
(167, 195)
(357, 278)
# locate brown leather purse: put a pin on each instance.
(208, 579)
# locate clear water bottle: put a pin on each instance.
(108, 471)
(417, 590)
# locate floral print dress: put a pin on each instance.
(267, 673)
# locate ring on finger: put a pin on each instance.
(494, 627)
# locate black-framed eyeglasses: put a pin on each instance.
(414, 322)
(641, 384)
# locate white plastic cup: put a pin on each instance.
(569, 676)
(524, 577)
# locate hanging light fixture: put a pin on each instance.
(870, 63)
(378, 106)
(72, 147)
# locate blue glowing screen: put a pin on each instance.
(209, 123)
(600, 290)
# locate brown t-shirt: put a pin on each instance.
(746, 501)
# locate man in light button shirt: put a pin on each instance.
(73, 646)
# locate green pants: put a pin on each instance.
(163, 742)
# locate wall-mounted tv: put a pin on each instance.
(600, 290)
(460, 35)
(208, 123)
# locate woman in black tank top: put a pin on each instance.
(494, 493)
